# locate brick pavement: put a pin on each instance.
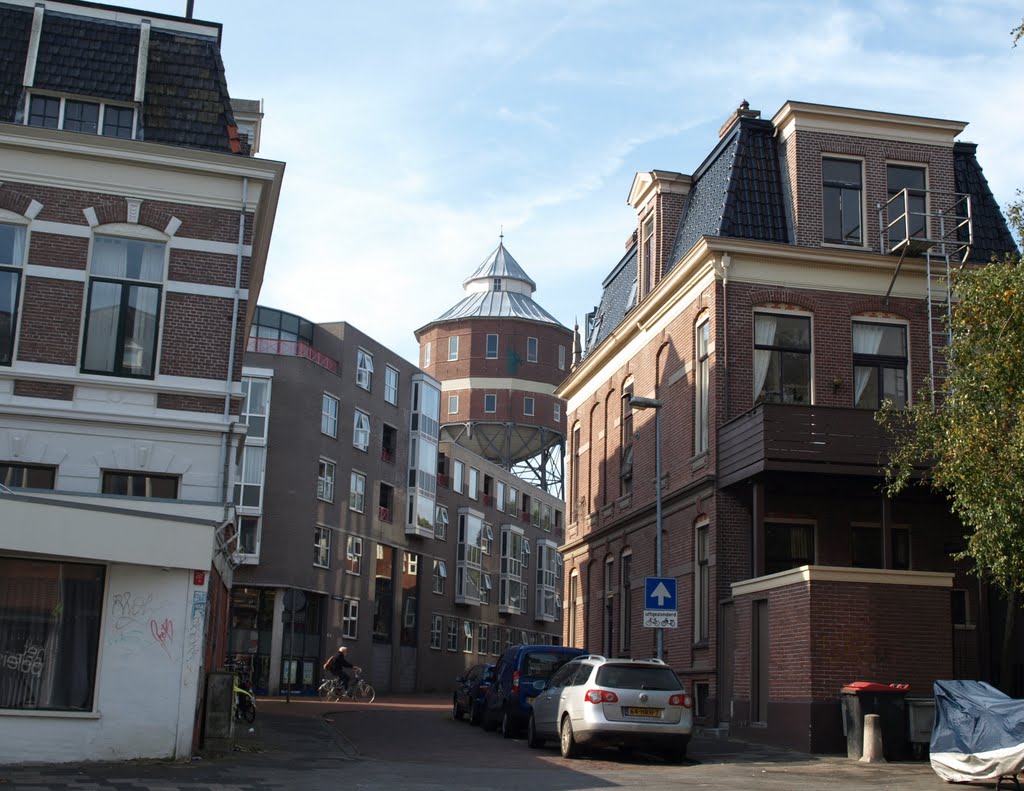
(306, 744)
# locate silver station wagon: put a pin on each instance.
(625, 703)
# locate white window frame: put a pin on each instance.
(453, 348)
(321, 546)
(532, 350)
(453, 635)
(436, 630)
(469, 565)
(473, 484)
(354, 556)
(490, 403)
(325, 480)
(491, 350)
(458, 476)
(487, 539)
(361, 430)
(391, 385)
(453, 405)
(100, 116)
(561, 357)
(440, 576)
(252, 408)
(468, 636)
(529, 405)
(426, 354)
(557, 413)
(329, 415)
(357, 492)
(364, 369)
(441, 522)
(864, 241)
(350, 619)
(702, 382)
(481, 638)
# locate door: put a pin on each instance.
(726, 664)
(759, 663)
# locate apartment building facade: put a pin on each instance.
(769, 302)
(361, 526)
(132, 237)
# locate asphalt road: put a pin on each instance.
(413, 744)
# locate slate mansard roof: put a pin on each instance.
(738, 192)
(185, 103)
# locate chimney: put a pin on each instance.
(743, 111)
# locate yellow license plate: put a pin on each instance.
(530, 701)
(635, 712)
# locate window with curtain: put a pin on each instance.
(123, 309)
(12, 258)
(703, 387)
(879, 364)
(788, 546)
(50, 616)
(782, 359)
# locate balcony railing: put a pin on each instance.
(383, 513)
(443, 480)
(489, 500)
(292, 349)
(788, 438)
(387, 455)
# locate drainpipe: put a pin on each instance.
(726, 262)
(226, 438)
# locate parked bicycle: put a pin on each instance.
(243, 704)
(359, 689)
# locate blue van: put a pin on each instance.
(508, 701)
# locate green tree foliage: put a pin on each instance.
(974, 441)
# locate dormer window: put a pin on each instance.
(72, 115)
(497, 284)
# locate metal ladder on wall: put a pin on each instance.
(945, 242)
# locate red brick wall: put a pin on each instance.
(50, 320)
(50, 249)
(183, 403)
(196, 336)
(805, 150)
(33, 389)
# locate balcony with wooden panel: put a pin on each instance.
(790, 438)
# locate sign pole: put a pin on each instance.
(291, 658)
(659, 633)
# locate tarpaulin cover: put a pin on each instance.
(978, 732)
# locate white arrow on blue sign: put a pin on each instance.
(659, 593)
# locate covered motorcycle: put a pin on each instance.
(978, 732)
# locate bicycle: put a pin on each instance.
(359, 689)
(243, 705)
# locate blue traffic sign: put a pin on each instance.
(659, 593)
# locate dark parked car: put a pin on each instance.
(470, 689)
(507, 703)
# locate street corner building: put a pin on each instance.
(770, 301)
(134, 227)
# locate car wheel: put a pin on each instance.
(567, 741)
(456, 711)
(532, 739)
(506, 725)
(474, 713)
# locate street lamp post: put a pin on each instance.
(637, 402)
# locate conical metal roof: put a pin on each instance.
(498, 288)
(500, 263)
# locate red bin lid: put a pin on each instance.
(874, 686)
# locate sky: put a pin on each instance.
(414, 133)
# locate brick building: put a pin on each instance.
(406, 547)
(769, 302)
(133, 238)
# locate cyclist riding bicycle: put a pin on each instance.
(337, 664)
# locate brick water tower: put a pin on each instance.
(499, 356)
